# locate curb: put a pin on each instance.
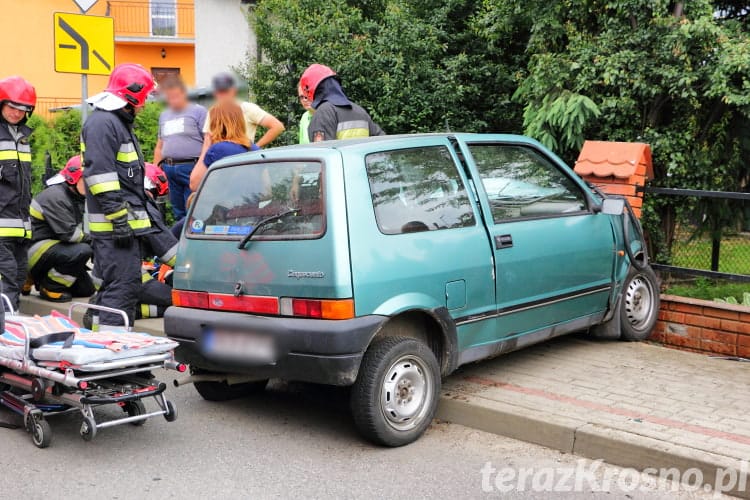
(568, 435)
(565, 434)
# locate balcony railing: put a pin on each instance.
(152, 19)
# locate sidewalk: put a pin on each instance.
(630, 404)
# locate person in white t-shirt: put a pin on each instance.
(225, 88)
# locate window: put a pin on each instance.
(417, 190)
(522, 183)
(235, 199)
(163, 17)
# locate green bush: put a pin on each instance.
(60, 138)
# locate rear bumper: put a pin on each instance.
(311, 350)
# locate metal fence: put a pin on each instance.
(47, 106)
(701, 233)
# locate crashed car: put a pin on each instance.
(386, 263)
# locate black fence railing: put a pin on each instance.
(700, 233)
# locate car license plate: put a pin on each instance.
(239, 346)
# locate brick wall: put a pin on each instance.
(705, 326)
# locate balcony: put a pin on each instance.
(148, 20)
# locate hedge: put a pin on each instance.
(60, 137)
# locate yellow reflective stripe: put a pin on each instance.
(103, 227)
(83, 147)
(105, 187)
(9, 154)
(140, 223)
(145, 278)
(117, 215)
(24, 157)
(127, 157)
(28, 234)
(38, 249)
(62, 279)
(352, 133)
(35, 213)
(13, 232)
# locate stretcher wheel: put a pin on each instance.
(171, 414)
(88, 429)
(133, 409)
(41, 433)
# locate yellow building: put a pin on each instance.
(159, 34)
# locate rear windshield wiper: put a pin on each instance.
(265, 222)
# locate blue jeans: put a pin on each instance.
(178, 176)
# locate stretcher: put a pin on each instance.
(50, 366)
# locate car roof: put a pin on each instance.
(353, 144)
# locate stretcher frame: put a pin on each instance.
(38, 389)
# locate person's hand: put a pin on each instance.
(122, 233)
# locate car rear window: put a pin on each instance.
(234, 200)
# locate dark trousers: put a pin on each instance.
(153, 299)
(178, 176)
(13, 263)
(62, 268)
(120, 272)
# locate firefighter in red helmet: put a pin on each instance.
(335, 117)
(17, 102)
(60, 250)
(118, 213)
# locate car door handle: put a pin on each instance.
(503, 241)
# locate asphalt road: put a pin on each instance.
(290, 441)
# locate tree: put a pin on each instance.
(674, 75)
(417, 66)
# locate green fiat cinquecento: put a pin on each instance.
(386, 263)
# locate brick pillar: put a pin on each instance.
(617, 168)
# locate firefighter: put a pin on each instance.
(60, 251)
(17, 102)
(335, 116)
(120, 217)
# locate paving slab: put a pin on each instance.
(630, 404)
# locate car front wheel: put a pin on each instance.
(639, 306)
(395, 396)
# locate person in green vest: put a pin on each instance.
(304, 122)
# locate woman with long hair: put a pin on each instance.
(228, 133)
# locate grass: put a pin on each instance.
(706, 289)
(734, 256)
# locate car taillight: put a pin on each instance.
(183, 298)
(318, 308)
(243, 303)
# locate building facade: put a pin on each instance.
(159, 34)
(223, 38)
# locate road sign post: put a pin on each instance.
(85, 45)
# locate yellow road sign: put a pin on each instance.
(84, 44)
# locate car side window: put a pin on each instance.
(416, 190)
(522, 183)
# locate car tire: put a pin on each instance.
(395, 396)
(639, 305)
(221, 391)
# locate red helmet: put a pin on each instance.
(18, 91)
(311, 78)
(156, 180)
(132, 83)
(70, 174)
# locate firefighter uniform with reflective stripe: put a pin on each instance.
(114, 169)
(58, 254)
(15, 198)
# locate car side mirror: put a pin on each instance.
(613, 206)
